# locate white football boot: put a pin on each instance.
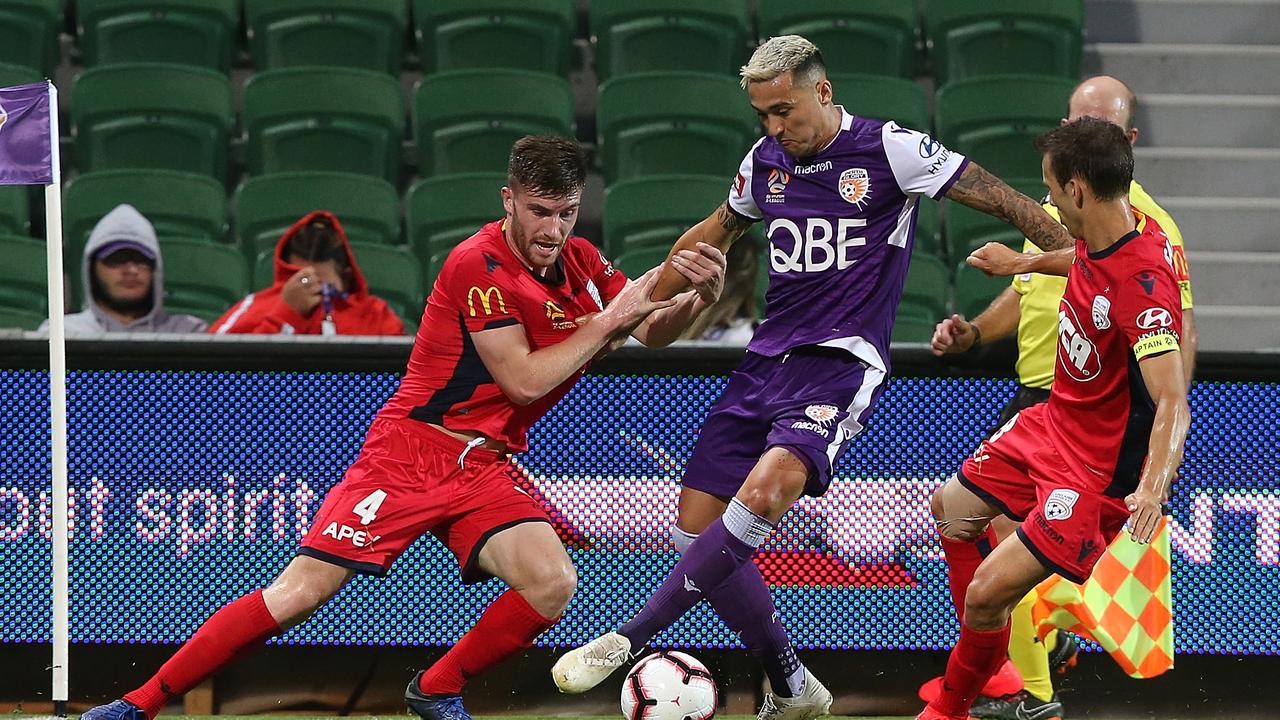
(814, 701)
(583, 668)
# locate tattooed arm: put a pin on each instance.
(983, 191)
(720, 230)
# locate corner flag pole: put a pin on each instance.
(58, 417)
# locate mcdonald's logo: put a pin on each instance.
(487, 297)
(554, 312)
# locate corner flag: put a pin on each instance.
(28, 145)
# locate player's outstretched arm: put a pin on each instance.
(1166, 383)
(704, 269)
(983, 191)
(999, 320)
(719, 230)
(999, 259)
(524, 375)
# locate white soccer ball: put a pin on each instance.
(669, 686)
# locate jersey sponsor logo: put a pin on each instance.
(739, 184)
(1060, 504)
(778, 180)
(822, 413)
(608, 266)
(556, 315)
(855, 185)
(823, 166)
(815, 249)
(929, 147)
(1101, 312)
(811, 426)
(1147, 281)
(1156, 317)
(491, 263)
(358, 538)
(1077, 352)
(490, 300)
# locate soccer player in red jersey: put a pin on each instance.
(1104, 450)
(516, 314)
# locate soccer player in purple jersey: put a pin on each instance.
(838, 195)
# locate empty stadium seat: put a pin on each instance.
(647, 35)
(657, 209)
(152, 115)
(975, 289)
(189, 32)
(177, 204)
(971, 39)
(368, 207)
(926, 286)
(867, 36)
(15, 319)
(201, 278)
(467, 120)
(29, 33)
(641, 260)
(928, 227)
(993, 120)
(11, 75)
(15, 210)
(442, 212)
(517, 34)
(24, 278)
(968, 229)
(661, 123)
(395, 276)
(884, 98)
(365, 34)
(912, 328)
(340, 119)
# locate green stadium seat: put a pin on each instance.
(641, 260)
(442, 212)
(467, 120)
(11, 75)
(341, 119)
(29, 33)
(15, 210)
(975, 289)
(395, 276)
(177, 204)
(264, 269)
(368, 207)
(24, 280)
(515, 34)
(152, 115)
(15, 319)
(656, 209)
(885, 98)
(661, 123)
(188, 32)
(201, 278)
(971, 39)
(928, 227)
(365, 34)
(868, 36)
(993, 120)
(654, 35)
(926, 285)
(912, 328)
(968, 229)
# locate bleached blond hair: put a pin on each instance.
(778, 55)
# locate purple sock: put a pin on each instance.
(710, 560)
(744, 603)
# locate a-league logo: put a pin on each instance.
(1060, 504)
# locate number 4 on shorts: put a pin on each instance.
(367, 508)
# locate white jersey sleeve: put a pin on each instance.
(741, 200)
(920, 163)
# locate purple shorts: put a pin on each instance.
(811, 400)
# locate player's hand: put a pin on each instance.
(704, 269)
(953, 335)
(997, 259)
(302, 291)
(631, 306)
(1145, 509)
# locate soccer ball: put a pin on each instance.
(669, 686)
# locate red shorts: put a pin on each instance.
(1067, 521)
(411, 479)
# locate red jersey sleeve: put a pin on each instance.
(1150, 312)
(481, 293)
(608, 279)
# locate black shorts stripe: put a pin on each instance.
(1045, 561)
(363, 568)
(985, 495)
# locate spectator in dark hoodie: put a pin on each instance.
(318, 289)
(123, 276)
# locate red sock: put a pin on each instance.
(239, 627)
(963, 559)
(507, 627)
(974, 659)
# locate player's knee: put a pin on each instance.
(552, 587)
(953, 525)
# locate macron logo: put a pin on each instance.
(689, 586)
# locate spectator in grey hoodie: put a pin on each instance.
(123, 274)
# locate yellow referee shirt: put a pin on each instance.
(1041, 294)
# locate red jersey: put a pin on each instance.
(1121, 306)
(484, 285)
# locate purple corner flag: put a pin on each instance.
(26, 135)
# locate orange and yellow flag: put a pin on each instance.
(1125, 605)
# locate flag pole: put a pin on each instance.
(58, 416)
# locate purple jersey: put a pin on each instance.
(841, 225)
